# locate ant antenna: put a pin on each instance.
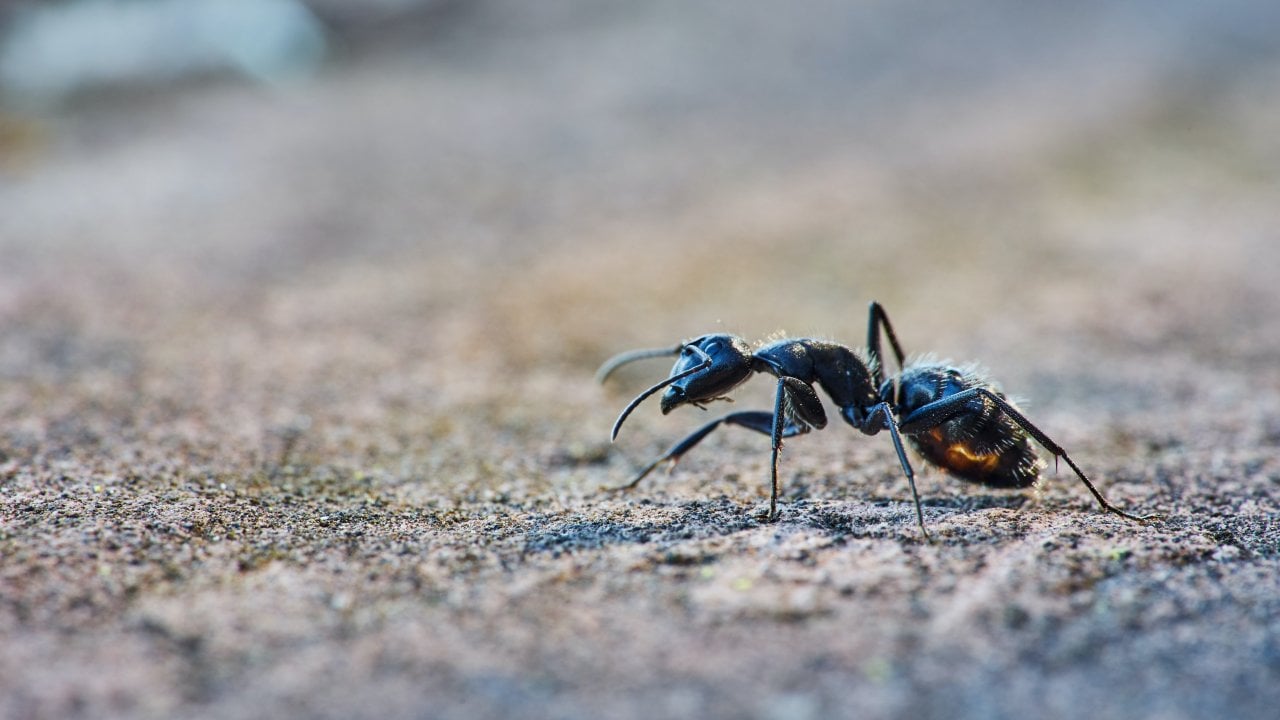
(706, 363)
(631, 356)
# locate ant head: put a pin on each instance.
(708, 367)
(712, 366)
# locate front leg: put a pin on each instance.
(760, 421)
(803, 402)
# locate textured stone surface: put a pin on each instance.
(296, 408)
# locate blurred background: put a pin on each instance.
(486, 190)
(367, 255)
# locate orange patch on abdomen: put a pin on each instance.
(960, 458)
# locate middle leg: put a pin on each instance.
(878, 320)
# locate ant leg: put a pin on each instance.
(759, 420)
(631, 356)
(802, 401)
(939, 411)
(776, 437)
(885, 411)
(878, 319)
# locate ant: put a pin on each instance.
(955, 417)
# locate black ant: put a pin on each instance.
(955, 418)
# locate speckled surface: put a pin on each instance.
(296, 404)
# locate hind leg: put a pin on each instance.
(939, 411)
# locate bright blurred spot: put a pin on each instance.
(52, 51)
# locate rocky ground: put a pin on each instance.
(297, 414)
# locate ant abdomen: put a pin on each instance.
(975, 441)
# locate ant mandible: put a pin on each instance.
(955, 417)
